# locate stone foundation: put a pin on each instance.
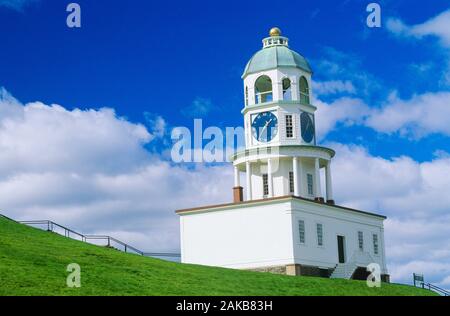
(296, 269)
(274, 269)
(304, 270)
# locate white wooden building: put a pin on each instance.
(284, 225)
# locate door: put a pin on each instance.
(341, 253)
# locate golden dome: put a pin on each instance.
(275, 31)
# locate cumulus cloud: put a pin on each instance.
(346, 73)
(438, 26)
(412, 195)
(412, 189)
(90, 170)
(416, 117)
(419, 116)
(333, 87)
(345, 110)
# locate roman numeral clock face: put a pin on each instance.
(265, 127)
(307, 126)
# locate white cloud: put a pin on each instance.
(89, 170)
(446, 281)
(417, 117)
(412, 195)
(346, 73)
(157, 124)
(345, 110)
(333, 87)
(438, 26)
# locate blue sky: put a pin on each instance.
(132, 58)
(383, 98)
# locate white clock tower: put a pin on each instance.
(281, 156)
(285, 224)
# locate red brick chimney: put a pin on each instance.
(238, 195)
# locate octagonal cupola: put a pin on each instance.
(276, 73)
(275, 53)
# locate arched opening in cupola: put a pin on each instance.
(263, 90)
(304, 91)
(287, 92)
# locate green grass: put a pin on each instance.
(33, 262)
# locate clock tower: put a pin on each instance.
(288, 221)
(281, 155)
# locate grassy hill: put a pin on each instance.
(33, 262)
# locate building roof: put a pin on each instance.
(287, 197)
(276, 56)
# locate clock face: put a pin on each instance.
(307, 127)
(265, 127)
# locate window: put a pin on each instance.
(304, 91)
(289, 126)
(291, 182)
(301, 231)
(265, 184)
(263, 90)
(310, 184)
(319, 235)
(360, 241)
(246, 96)
(375, 244)
(287, 93)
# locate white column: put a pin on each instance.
(300, 178)
(251, 95)
(329, 183)
(318, 192)
(248, 180)
(269, 177)
(295, 172)
(277, 93)
(236, 177)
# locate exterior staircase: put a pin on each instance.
(346, 270)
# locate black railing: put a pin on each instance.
(110, 241)
(419, 280)
(436, 289)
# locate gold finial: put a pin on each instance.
(275, 31)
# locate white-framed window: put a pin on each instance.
(361, 240)
(265, 178)
(289, 126)
(301, 231)
(309, 179)
(291, 182)
(319, 228)
(375, 243)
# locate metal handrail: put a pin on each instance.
(67, 231)
(435, 288)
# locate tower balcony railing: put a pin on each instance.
(263, 97)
